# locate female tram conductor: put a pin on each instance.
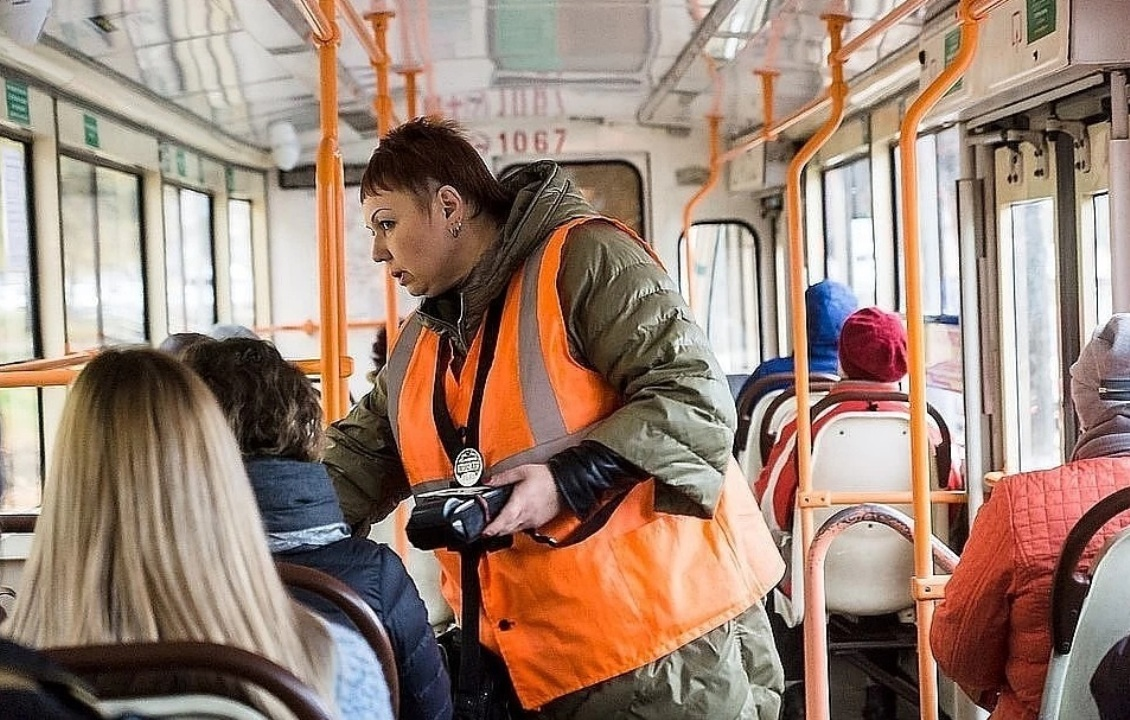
(552, 350)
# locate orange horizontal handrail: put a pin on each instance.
(318, 21)
(357, 24)
(37, 378)
(817, 498)
(883, 24)
(314, 366)
(310, 327)
(65, 361)
(817, 104)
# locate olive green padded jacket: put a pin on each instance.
(626, 320)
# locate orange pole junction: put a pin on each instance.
(919, 440)
(815, 639)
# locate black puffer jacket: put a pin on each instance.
(305, 527)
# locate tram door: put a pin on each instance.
(1054, 284)
(1033, 394)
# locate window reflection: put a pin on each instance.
(20, 449)
(849, 233)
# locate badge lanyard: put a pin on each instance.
(461, 444)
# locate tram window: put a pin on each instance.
(1029, 229)
(242, 267)
(939, 157)
(20, 424)
(725, 291)
(614, 187)
(104, 286)
(1100, 237)
(849, 233)
(189, 284)
(15, 255)
(21, 454)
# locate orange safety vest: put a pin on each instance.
(644, 584)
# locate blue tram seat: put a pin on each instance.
(1089, 612)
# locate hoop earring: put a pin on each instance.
(456, 229)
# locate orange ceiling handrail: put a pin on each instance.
(314, 366)
(893, 17)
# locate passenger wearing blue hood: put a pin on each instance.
(273, 411)
(827, 304)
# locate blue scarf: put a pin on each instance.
(297, 502)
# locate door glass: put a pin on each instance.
(1030, 229)
(725, 291)
(1104, 298)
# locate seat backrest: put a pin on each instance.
(780, 410)
(356, 609)
(179, 706)
(865, 452)
(1088, 612)
(129, 660)
(749, 454)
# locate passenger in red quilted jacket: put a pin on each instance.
(991, 632)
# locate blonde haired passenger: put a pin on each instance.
(149, 531)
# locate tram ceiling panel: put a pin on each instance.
(791, 39)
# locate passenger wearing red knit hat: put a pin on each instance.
(873, 346)
(873, 359)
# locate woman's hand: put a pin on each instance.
(533, 502)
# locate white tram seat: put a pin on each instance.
(771, 408)
(1089, 613)
(749, 454)
(868, 568)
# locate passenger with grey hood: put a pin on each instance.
(601, 404)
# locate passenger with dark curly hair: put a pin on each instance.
(273, 411)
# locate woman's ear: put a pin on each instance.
(451, 202)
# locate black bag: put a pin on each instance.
(493, 698)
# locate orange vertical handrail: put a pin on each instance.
(713, 121)
(919, 439)
(768, 77)
(382, 103)
(409, 74)
(815, 641)
(330, 186)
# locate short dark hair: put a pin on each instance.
(272, 408)
(424, 154)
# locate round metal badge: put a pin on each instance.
(468, 467)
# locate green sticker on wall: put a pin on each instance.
(1041, 19)
(90, 130)
(182, 163)
(15, 95)
(952, 46)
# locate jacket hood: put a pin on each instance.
(297, 502)
(1102, 370)
(544, 197)
(827, 304)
